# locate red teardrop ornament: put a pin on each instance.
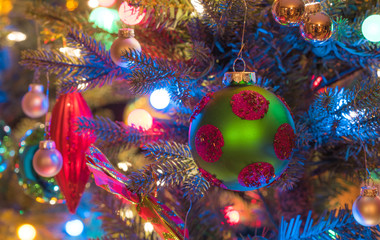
(74, 175)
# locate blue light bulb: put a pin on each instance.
(74, 227)
(371, 28)
(159, 99)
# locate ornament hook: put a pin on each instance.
(241, 59)
(240, 54)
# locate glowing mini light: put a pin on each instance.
(16, 36)
(74, 227)
(232, 216)
(124, 166)
(105, 18)
(140, 118)
(72, 52)
(148, 227)
(71, 5)
(26, 232)
(371, 28)
(129, 214)
(106, 3)
(93, 3)
(159, 99)
(198, 6)
(130, 15)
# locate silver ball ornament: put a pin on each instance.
(47, 161)
(35, 104)
(125, 42)
(366, 208)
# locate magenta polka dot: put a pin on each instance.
(256, 174)
(209, 142)
(199, 107)
(284, 141)
(249, 105)
(211, 179)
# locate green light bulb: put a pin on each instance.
(371, 28)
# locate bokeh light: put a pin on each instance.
(232, 216)
(93, 3)
(26, 232)
(16, 36)
(140, 118)
(130, 15)
(105, 18)
(159, 99)
(198, 6)
(106, 3)
(74, 227)
(148, 227)
(371, 28)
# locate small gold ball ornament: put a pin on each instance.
(316, 26)
(125, 42)
(366, 208)
(288, 12)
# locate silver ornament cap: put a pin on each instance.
(126, 33)
(47, 161)
(239, 78)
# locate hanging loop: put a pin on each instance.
(241, 59)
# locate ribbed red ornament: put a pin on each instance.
(74, 175)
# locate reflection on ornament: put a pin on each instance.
(71, 5)
(316, 26)
(288, 12)
(124, 43)
(148, 227)
(242, 136)
(35, 104)
(26, 232)
(93, 3)
(16, 36)
(105, 18)
(106, 3)
(140, 119)
(159, 99)
(74, 227)
(232, 216)
(130, 15)
(366, 208)
(47, 161)
(43, 190)
(371, 28)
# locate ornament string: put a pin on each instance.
(240, 54)
(187, 214)
(36, 77)
(47, 124)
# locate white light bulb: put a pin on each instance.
(93, 3)
(148, 227)
(16, 36)
(159, 99)
(26, 232)
(74, 227)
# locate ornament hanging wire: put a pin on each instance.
(240, 54)
(47, 122)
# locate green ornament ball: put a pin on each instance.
(242, 137)
(43, 190)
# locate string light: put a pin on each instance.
(159, 99)
(74, 227)
(130, 15)
(232, 216)
(16, 36)
(371, 28)
(198, 6)
(93, 3)
(140, 118)
(106, 3)
(148, 227)
(26, 232)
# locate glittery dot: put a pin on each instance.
(209, 142)
(199, 107)
(284, 141)
(256, 174)
(286, 105)
(211, 178)
(249, 105)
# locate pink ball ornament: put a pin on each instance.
(125, 42)
(106, 3)
(130, 15)
(35, 104)
(47, 161)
